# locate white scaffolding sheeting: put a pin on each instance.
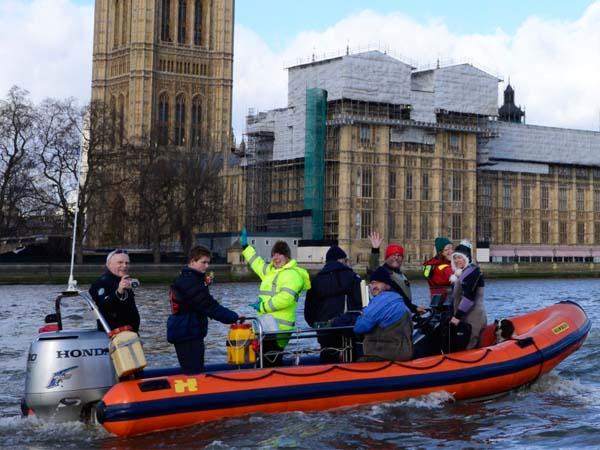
(376, 77)
(533, 143)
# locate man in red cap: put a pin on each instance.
(394, 256)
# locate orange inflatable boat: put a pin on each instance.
(542, 339)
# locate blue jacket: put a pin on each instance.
(196, 305)
(383, 310)
(334, 290)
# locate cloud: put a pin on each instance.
(46, 48)
(554, 66)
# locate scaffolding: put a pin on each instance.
(314, 158)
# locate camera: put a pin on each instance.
(135, 283)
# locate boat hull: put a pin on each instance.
(545, 338)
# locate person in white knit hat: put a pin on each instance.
(468, 292)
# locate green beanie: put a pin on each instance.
(440, 243)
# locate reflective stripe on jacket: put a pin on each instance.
(279, 288)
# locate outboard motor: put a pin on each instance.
(68, 372)
(429, 329)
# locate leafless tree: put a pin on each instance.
(59, 141)
(17, 143)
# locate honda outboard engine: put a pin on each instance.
(68, 372)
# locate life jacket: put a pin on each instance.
(174, 301)
(437, 273)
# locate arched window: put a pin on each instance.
(196, 120)
(163, 119)
(181, 19)
(165, 18)
(121, 120)
(180, 120)
(112, 131)
(124, 23)
(116, 32)
(198, 22)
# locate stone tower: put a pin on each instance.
(164, 67)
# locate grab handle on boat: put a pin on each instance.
(91, 304)
(525, 342)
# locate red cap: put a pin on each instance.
(394, 249)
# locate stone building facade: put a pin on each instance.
(164, 67)
(416, 154)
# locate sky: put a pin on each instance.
(549, 50)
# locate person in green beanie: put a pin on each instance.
(437, 270)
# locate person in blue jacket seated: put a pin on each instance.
(191, 306)
(386, 322)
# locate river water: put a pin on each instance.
(562, 410)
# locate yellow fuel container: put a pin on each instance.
(239, 344)
(126, 352)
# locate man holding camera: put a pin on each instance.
(113, 292)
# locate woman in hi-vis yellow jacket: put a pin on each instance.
(282, 282)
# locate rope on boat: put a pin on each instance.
(386, 365)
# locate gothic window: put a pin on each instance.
(456, 226)
(392, 185)
(424, 227)
(365, 182)
(545, 197)
(580, 199)
(121, 120)
(181, 19)
(526, 232)
(597, 200)
(165, 34)
(116, 32)
(113, 120)
(180, 120)
(407, 226)
(486, 195)
(163, 119)
(596, 232)
(366, 223)
(545, 232)
(454, 142)
(580, 232)
(507, 231)
(562, 198)
(365, 135)
(408, 192)
(562, 233)
(456, 188)
(526, 196)
(507, 196)
(124, 22)
(198, 22)
(425, 186)
(196, 118)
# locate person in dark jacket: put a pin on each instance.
(334, 294)
(192, 305)
(386, 322)
(113, 294)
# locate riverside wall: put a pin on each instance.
(165, 273)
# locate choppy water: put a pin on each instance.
(562, 410)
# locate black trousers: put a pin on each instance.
(191, 356)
